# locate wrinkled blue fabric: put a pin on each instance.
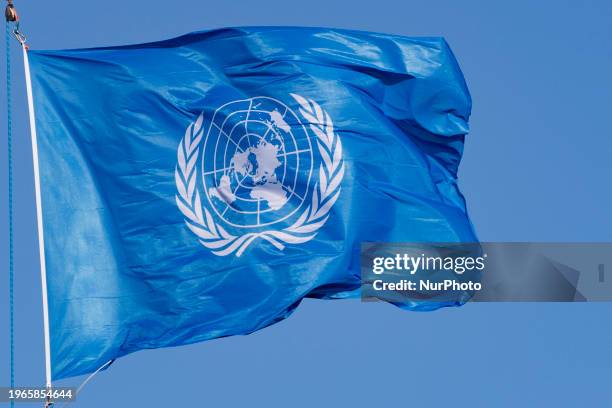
(124, 272)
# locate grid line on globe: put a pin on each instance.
(257, 162)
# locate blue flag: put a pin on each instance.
(202, 186)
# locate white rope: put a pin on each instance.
(105, 365)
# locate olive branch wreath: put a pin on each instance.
(325, 193)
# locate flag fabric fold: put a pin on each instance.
(203, 186)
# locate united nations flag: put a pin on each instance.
(257, 172)
(202, 186)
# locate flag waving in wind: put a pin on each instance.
(203, 186)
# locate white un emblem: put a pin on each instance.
(256, 170)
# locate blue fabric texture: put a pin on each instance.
(203, 186)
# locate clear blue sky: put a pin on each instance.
(536, 168)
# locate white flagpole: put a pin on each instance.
(39, 217)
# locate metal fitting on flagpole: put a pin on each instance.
(10, 13)
(11, 16)
(20, 37)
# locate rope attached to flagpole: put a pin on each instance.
(9, 125)
(89, 377)
(11, 17)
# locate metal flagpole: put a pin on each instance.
(39, 216)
